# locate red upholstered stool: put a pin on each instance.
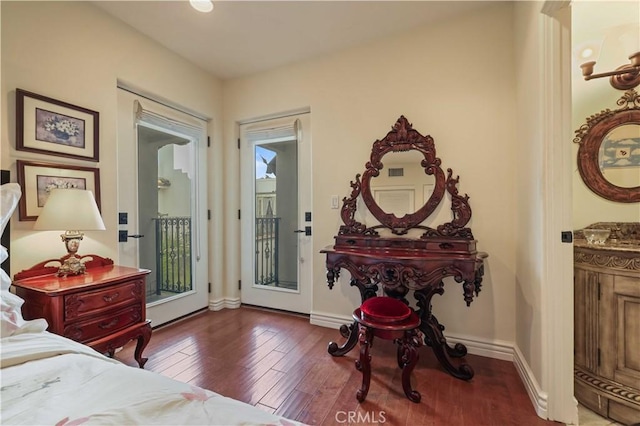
(389, 319)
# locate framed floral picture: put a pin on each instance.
(49, 126)
(38, 179)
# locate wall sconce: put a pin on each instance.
(624, 77)
(74, 211)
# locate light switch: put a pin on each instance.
(123, 218)
(335, 202)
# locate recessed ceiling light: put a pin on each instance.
(202, 5)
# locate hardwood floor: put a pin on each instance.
(279, 362)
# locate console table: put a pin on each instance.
(402, 254)
(103, 308)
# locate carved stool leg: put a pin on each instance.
(363, 364)
(408, 357)
(351, 333)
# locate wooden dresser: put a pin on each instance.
(607, 323)
(104, 308)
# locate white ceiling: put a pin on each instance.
(240, 38)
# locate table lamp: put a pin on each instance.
(74, 211)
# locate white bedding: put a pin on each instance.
(49, 380)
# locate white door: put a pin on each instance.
(161, 204)
(276, 213)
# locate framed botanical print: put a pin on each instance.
(53, 127)
(38, 179)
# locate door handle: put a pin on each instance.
(306, 230)
(123, 236)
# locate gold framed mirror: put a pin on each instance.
(609, 153)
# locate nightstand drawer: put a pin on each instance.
(104, 325)
(82, 304)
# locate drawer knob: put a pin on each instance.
(110, 298)
(110, 324)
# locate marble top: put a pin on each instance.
(632, 246)
(625, 237)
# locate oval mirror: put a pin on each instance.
(609, 153)
(402, 186)
(618, 157)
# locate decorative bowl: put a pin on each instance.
(596, 236)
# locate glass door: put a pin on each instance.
(276, 232)
(161, 157)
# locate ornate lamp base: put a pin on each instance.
(72, 264)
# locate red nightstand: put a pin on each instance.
(104, 308)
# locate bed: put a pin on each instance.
(47, 379)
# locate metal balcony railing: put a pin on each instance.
(267, 250)
(173, 254)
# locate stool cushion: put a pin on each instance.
(384, 310)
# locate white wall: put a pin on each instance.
(454, 81)
(74, 52)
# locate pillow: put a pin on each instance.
(5, 281)
(11, 321)
(9, 195)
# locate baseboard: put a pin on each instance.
(225, 302)
(496, 349)
(539, 399)
(324, 319)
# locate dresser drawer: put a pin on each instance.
(81, 304)
(104, 325)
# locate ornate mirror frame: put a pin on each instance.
(402, 138)
(591, 135)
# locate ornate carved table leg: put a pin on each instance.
(434, 337)
(407, 360)
(365, 335)
(143, 340)
(458, 350)
(351, 333)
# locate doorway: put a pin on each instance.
(276, 213)
(160, 189)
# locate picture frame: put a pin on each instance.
(37, 178)
(49, 126)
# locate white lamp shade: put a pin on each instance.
(70, 209)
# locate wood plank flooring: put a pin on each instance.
(279, 362)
